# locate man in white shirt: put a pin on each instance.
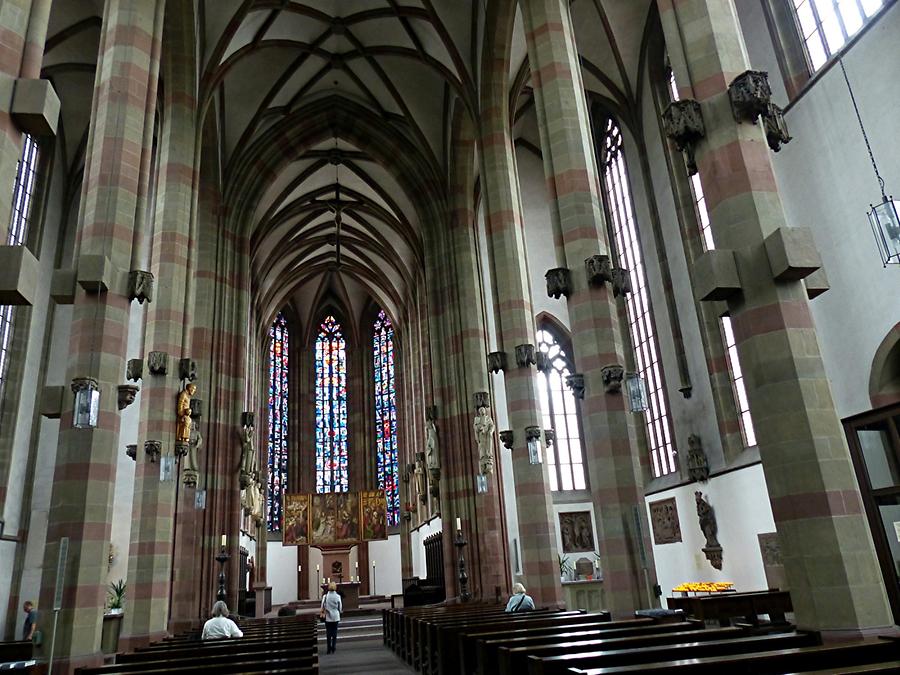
(220, 626)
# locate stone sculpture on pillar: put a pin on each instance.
(420, 477)
(183, 428)
(710, 529)
(249, 466)
(191, 472)
(484, 437)
(432, 453)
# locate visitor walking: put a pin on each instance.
(331, 613)
(31, 616)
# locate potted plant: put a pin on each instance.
(116, 597)
(565, 569)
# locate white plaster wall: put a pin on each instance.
(281, 571)
(741, 504)
(388, 568)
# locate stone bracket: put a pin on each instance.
(126, 395)
(525, 355)
(575, 382)
(612, 378)
(792, 253)
(507, 438)
(559, 282)
(481, 399)
(52, 398)
(549, 437)
(621, 282)
(96, 273)
(140, 286)
(19, 274)
(750, 95)
(532, 433)
(131, 451)
(134, 369)
(35, 107)
(187, 369)
(716, 275)
(683, 123)
(153, 450)
(62, 286)
(158, 363)
(497, 362)
(776, 127)
(598, 269)
(816, 283)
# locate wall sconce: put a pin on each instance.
(636, 391)
(87, 402)
(533, 438)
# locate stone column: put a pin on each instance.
(828, 553)
(82, 500)
(150, 569)
(576, 211)
(503, 213)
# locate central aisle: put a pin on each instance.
(360, 649)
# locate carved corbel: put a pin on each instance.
(776, 127)
(181, 449)
(683, 123)
(140, 286)
(134, 370)
(599, 270)
(532, 433)
(507, 438)
(612, 378)
(559, 282)
(542, 362)
(496, 362)
(525, 355)
(621, 282)
(127, 393)
(196, 408)
(131, 451)
(431, 412)
(153, 450)
(549, 437)
(248, 419)
(481, 399)
(575, 382)
(749, 94)
(187, 369)
(158, 363)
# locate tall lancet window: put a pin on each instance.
(278, 420)
(640, 316)
(18, 230)
(331, 408)
(565, 456)
(386, 414)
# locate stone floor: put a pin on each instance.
(360, 649)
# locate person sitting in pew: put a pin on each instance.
(220, 626)
(519, 601)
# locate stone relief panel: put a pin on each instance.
(576, 531)
(664, 521)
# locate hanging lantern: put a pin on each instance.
(481, 484)
(200, 500)
(167, 468)
(886, 228)
(636, 390)
(87, 403)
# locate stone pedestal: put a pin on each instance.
(587, 595)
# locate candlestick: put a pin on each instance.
(458, 524)
(224, 541)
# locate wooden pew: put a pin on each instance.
(511, 656)
(559, 665)
(863, 657)
(723, 607)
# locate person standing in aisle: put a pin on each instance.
(331, 613)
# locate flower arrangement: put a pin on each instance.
(703, 587)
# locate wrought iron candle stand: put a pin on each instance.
(460, 544)
(222, 558)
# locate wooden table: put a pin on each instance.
(725, 606)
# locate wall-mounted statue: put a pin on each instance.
(707, 517)
(249, 459)
(432, 452)
(191, 470)
(183, 428)
(484, 437)
(420, 477)
(256, 502)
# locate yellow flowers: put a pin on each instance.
(703, 587)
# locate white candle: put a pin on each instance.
(357, 564)
(458, 524)
(224, 540)
(373, 563)
(299, 568)
(317, 568)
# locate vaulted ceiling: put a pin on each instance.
(401, 64)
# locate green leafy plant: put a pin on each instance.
(117, 594)
(564, 566)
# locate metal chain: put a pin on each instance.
(863, 129)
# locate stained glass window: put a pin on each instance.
(18, 229)
(386, 415)
(331, 408)
(560, 413)
(278, 420)
(640, 316)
